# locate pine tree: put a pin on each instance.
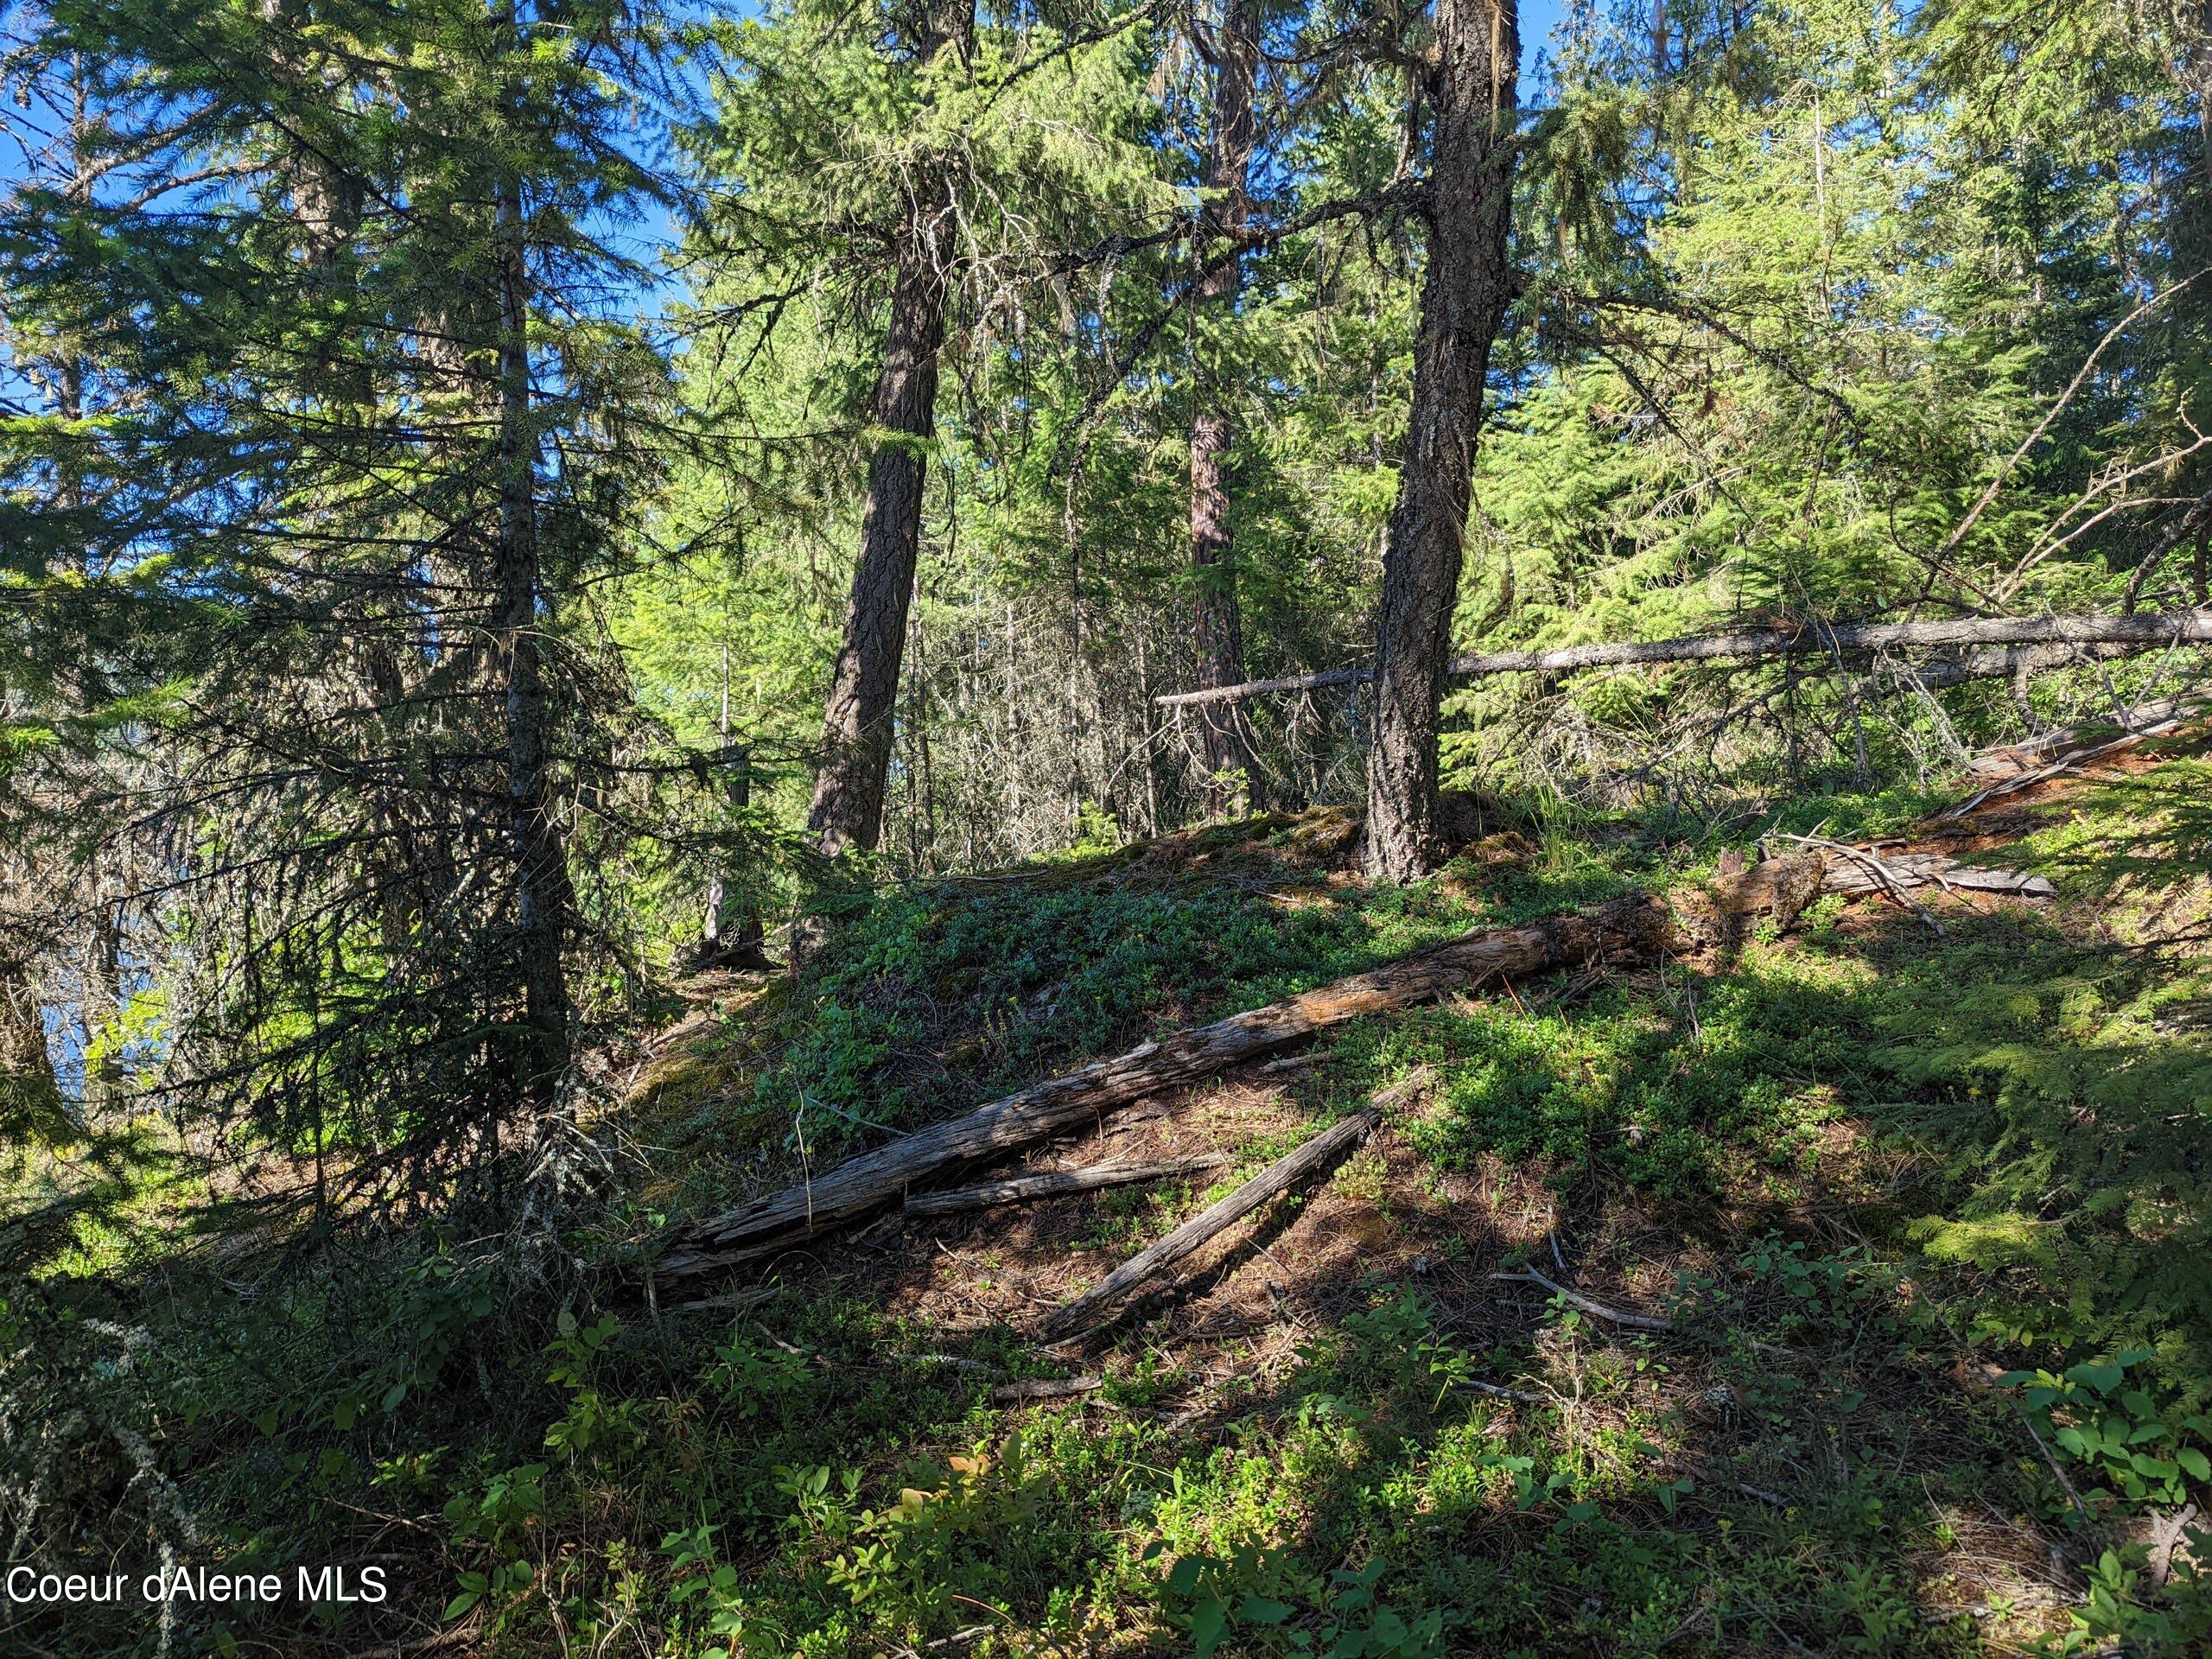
(1471, 90)
(366, 434)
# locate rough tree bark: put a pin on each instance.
(1471, 79)
(847, 809)
(30, 1094)
(742, 946)
(1218, 626)
(543, 897)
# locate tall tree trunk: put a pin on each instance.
(742, 946)
(1217, 624)
(30, 1093)
(543, 897)
(1473, 95)
(847, 809)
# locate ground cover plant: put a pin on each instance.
(1912, 1222)
(1103, 826)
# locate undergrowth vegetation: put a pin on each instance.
(1924, 1216)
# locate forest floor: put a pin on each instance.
(1848, 1183)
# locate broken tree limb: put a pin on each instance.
(1094, 1307)
(2145, 631)
(1635, 925)
(1596, 1310)
(1023, 1189)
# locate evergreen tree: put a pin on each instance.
(365, 434)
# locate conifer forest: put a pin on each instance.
(1030, 829)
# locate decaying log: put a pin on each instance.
(1635, 925)
(1023, 1189)
(2145, 631)
(1720, 911)
(1931, 870)
(1094, 1307)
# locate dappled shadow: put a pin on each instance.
(1850, 1169)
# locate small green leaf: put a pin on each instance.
(2102, 1378)
(1209, 1624)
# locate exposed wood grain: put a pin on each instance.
(1024, 1189)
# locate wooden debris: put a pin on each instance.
(1096, 1307)
(1029, 1389)
(1526, 1397)
(1596, 1310)
(1720, 911)
(1932, 869)
(1634, 925)
(1023, 1189)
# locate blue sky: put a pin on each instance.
(1538, 19)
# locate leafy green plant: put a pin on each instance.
(2088, 1412)
(591, 1419)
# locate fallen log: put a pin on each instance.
(1636, 925)
(1930, 870)
(2145, 630)
(1094, 1307)
(1024, 1189)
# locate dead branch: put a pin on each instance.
(1094, 1307)
(1596, 1310)
(2143, 632)
(1024, 1189)
(1011, 1394)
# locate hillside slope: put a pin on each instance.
(1679, 1308)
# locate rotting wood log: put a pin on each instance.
(2146, 630)
(1930, 870)
(1094, 1307)
(1634, 925)
(1053, 1184)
